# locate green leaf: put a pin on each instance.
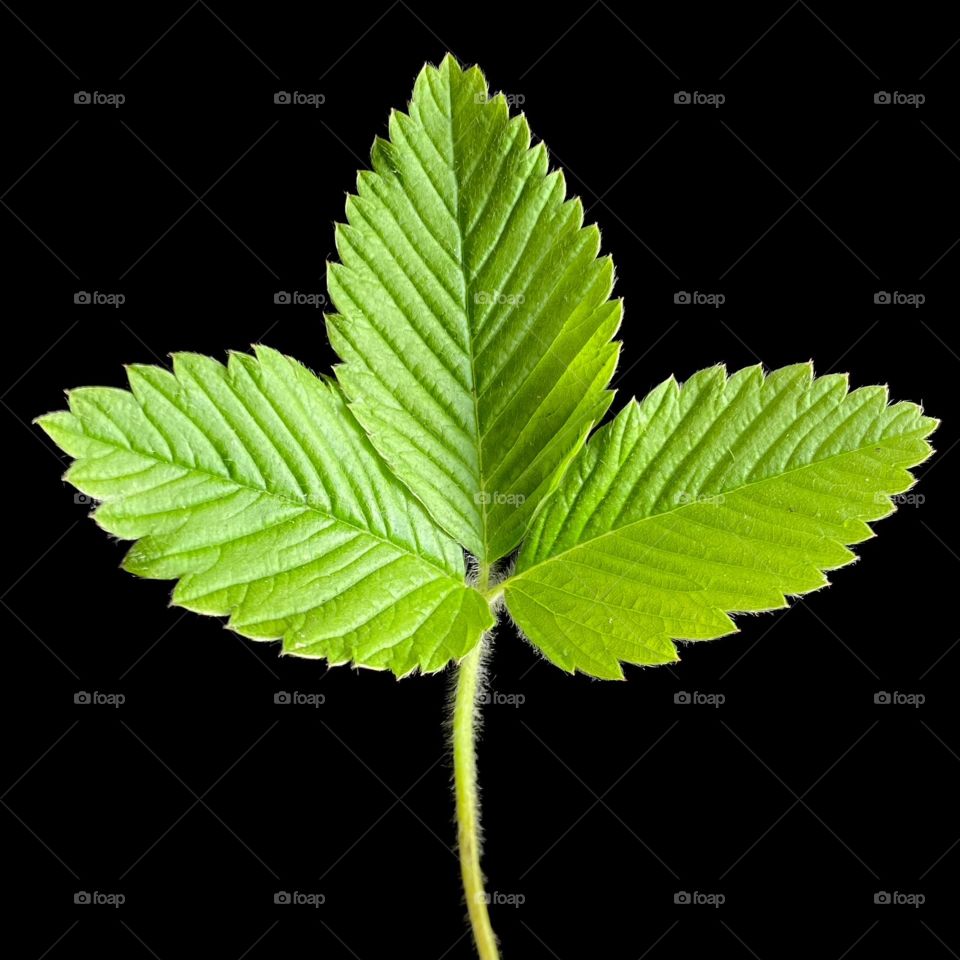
(252, 485)
(723, 496)
(474, 315)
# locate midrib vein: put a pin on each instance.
(685, 506)
(468, 314)
(283, 498)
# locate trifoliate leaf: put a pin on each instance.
(474, 315)
(723, 496)
(253, 485)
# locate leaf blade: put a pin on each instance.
(474, 321)
(723, 496)
(252, 485)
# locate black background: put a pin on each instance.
(797, 800)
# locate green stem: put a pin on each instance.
(469, 676)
